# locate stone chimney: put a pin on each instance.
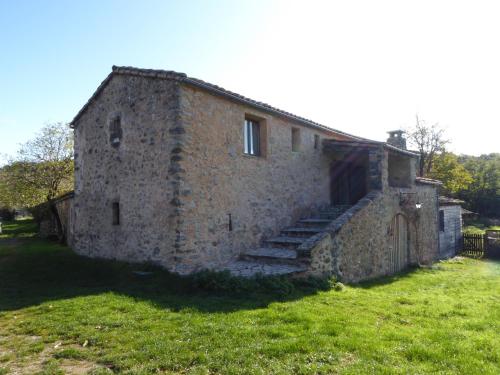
(396, 139)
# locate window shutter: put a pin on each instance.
(255, 138)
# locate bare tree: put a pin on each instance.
(429, 141)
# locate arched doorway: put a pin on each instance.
(399, 254)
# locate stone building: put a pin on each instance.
(179, 172)
(450, 226)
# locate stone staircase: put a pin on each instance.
(281, 255)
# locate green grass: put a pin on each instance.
(60, 311)
(479, 227)
(18, 229)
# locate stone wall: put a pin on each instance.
(427, 223)
(234, 200)
(48, 226)
(451, 238)
(360, 242)
(65, 211)
(125, 146)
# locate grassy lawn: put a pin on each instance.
(60, 313)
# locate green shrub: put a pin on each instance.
(338, 286)
(7, 214)
(215, 281)
(316, 283)
(283, 285)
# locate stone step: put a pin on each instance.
(285, 241)
(332, 211)
(314, 222)
(243, 268)
(301, 232)
(328, 215)
(335, 209)
(338, 207)
(272, 252)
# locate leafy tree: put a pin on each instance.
(42, 170)
(429, 141)
(448, 170)
(483, 194)
(14, 191)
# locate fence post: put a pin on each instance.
(485, 239)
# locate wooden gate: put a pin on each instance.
(399, 254)
(473, 245)
(492, 246)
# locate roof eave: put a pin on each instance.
(373, 144)
(400, 150)
(428, 181)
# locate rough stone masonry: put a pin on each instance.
(162, 176)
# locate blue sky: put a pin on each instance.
(357, 66)
(54, 54)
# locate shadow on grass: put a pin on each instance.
(33, 271)
(385, 280)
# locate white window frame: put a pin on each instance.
(249, 137)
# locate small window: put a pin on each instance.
(316, 141)
(116, 213)
(441, 220)
(115, 131)
(295, 139)
(252, 137)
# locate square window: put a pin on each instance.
(295, 139)
(251, 135)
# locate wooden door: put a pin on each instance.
(399, 254)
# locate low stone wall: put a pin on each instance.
(360, 245)
(48, 226)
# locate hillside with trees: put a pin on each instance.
(474, 179)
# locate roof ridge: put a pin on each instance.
(155, 73)
(182, 77)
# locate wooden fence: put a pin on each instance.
(473, 245)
